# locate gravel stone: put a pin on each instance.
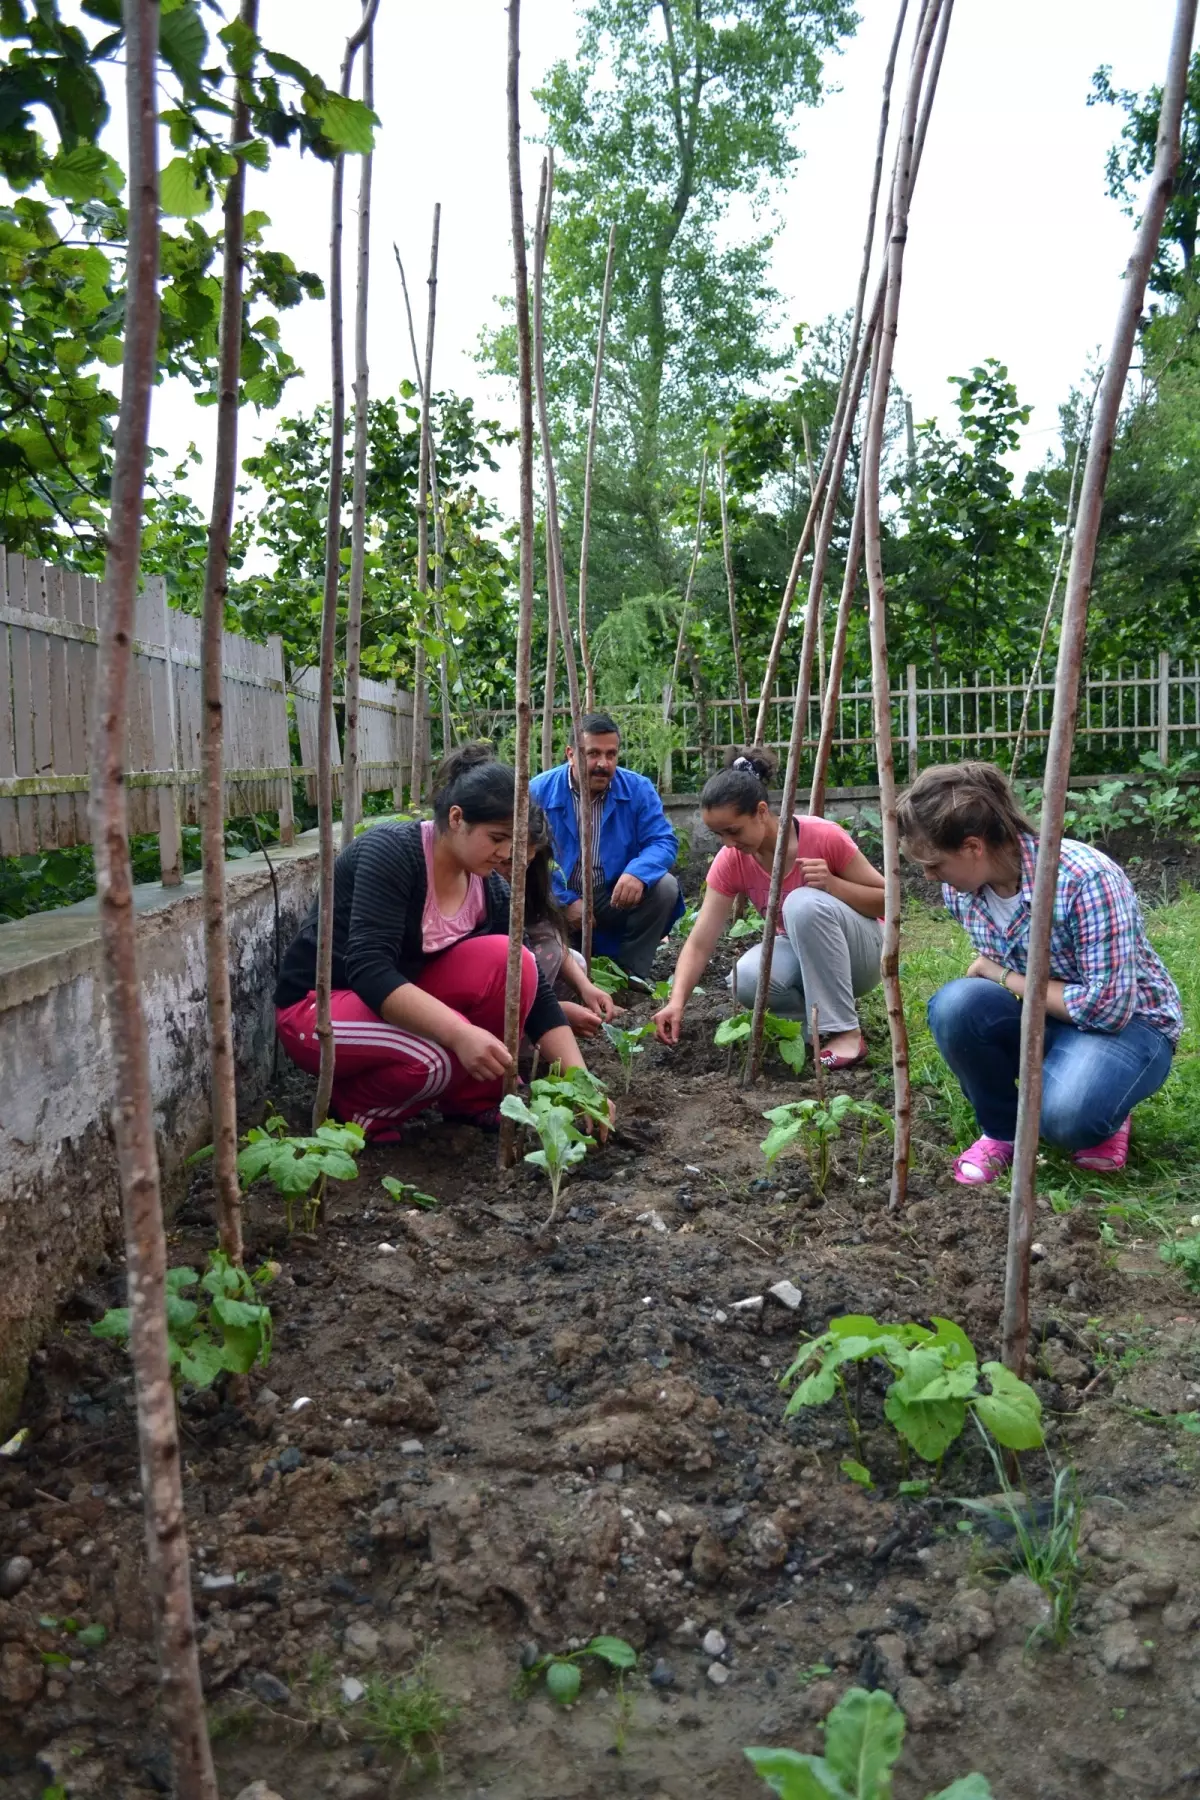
(713, 1643)
(1122, 1651)
(360, 1642)
(269, 1689)
(718, 1674)
(662, 1675)
(15, 1571)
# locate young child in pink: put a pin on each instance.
(829, 938)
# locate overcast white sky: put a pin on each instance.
(1015, 251)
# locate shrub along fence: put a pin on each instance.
(47, 672)
(936, 717)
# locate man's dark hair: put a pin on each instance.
(597, 725)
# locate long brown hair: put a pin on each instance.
(541, 902)
(955, 801)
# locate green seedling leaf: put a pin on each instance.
(1012, 1411)
(732, 1031)
(914, 1490)
(563, 1680)
(54, 1659)
(796, 1777)
(513, 1107)
(200, 1156)
(177, 1279)
(856, 1471)
(92, 1636)
(968, 1787)
(612, 1650)
(863, 1737)
(114, 1324)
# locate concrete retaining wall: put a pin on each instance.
(59, 1200)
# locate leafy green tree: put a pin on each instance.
(666, 115)
(1132, 158)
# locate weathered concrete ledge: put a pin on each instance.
(59, 1198)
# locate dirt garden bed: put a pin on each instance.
(519, 1437)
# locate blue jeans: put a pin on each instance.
(1092, 1079)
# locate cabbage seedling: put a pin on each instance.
(562, 1143)
(563, 1674)
(627, 1045)
(300, 1166)
(864, 1735)
(787, 1035)
(405, 1193)
(817, 1127)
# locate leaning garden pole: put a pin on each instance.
(417, 782)
(524, 708)
(212, 728)
(351, 796)
(133, 1108)
(1066, 691)
(589, 463)
(555, 574)
(881, 371)
(727, 553)
(329, 605)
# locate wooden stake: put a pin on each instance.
(524, 708)
(556, 579)
(329, 605)
(212, 731)
(550, 679)
(351, 797)
(1066, 691)
(170, 1583)
(903, 180)
(417, 783)
(586, 535)
(837, 662)
(669, 695)
(727, 553)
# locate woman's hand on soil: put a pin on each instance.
(602, 1004)
(602, 1131)
(815, 871)
(583, 1020)
(483, 1056)
(986, 969)
(668, 1023)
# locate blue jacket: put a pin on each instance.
(635, 835)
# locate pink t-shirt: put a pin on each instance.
(437, 931)
(733, 872)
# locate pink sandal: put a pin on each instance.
(1108, 1157)
(980, 1165)
(829, 1060)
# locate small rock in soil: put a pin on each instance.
(352, 1690)
(269, 1689)
(14, 1573)
(216, 1584)
(258, 1790)
(752, 1304)
(710, 1559)
(290, 1460)
(713, 1643)
(1122, 1651)
(360, 1642)
(662, 1675)
(768, 1546)
(529, 1655)
(718, 1674)
(412, 1447)
(787, 1295)
(20, 1676)
(1022, 1605)
(1107, 1545)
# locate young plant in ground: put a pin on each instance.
(607, 974)
(226, 1328)
(406, 1193)
(749, 925)
(937, 1384)
(785, 1035)
(627, 1045)
(410, 1714)
(864, 1735)
(554, 1104)
(300, 1166)
(818, 1126)
(564, 1675)
(1184, 1255)
(1045, 1543)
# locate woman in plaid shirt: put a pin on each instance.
(1113, 1012)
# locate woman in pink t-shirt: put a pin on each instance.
(829, 943)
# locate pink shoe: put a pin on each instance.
(987, 1158)
(1108, 1157)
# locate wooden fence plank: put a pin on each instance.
(59, 715)
(22, 708)
(76, 750)
(10, 842)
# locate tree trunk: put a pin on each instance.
(133, 1108)
(902, 185)
(212, 746)
(329, 606)
(524, 708)
(351, 796)
(817, 488)
(417, 784)
(1066, 692)
(727, 552)
(586, 535)
(556, 581)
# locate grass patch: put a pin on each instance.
(1162, 1177)
(410, 1714)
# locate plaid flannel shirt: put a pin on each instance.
(1098, 944)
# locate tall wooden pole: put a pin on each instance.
(351, 797)
(329, 605)
(524, 708)
(417, 784)
(212, 731)
(550, 678)
(1066, 690)
(556, 578)
(837, 663)
(735, 640)
(881, 372)
(589, 463)
(133, 1108)
(669, 696)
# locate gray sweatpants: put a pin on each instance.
(829, 955)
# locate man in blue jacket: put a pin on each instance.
(636, 896)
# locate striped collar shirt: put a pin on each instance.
(1099, 950)
(575, 876)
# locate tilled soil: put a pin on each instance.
(518, 1434)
